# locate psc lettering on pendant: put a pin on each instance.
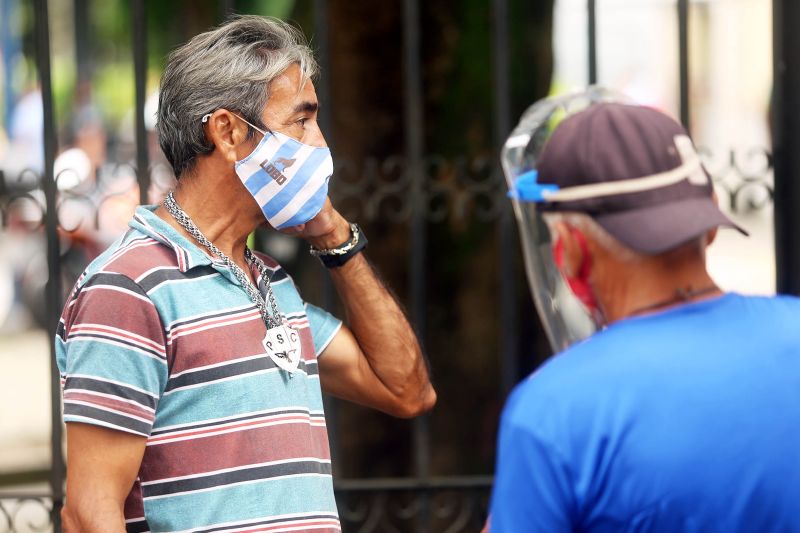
(282, 344)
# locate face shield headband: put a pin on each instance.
(527, 189)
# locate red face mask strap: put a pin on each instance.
(578, 284)
(586, 264)
(558, 253)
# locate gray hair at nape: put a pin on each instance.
(228, 67)
(595, 231)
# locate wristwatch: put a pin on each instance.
(336, 257)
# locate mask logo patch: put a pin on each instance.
(276, 170)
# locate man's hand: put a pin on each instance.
(102, 465)
(327, 230)
(377, 361)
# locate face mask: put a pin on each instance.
(579, 285)
(287, 179)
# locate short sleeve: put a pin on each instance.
(111, 352)
(324, 327)
(532, 489)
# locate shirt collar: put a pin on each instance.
(188, 254)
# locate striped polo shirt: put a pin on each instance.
(160, 340)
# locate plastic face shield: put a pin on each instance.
(565, 320)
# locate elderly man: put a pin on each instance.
(192, 368)
(683, 412)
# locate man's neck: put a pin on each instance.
(220, 207)
(655, 286)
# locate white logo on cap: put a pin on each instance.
(689, 155)
(691, 169)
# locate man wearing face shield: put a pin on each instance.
(192, 368)
(682, 411)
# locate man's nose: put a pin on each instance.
(314, 137)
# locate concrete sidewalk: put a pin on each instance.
(24, 402)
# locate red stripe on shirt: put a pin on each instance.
(250, 446)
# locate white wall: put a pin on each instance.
(730, 82)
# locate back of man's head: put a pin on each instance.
(228, 67)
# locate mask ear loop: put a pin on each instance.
(259, 130)
(207, 116)
(579, 284)
(586, 261)
(586, 264)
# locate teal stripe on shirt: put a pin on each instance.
(228, 398)
(296, 494)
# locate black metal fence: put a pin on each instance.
(421, 502)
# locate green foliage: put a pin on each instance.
(114, 90)
(110, 41)
(267, 8)
(63, 80)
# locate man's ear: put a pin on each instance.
(228, 134)
(573, 255)
(711, 235)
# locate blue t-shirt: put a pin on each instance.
(685, 420)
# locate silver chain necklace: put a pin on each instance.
(271, 321)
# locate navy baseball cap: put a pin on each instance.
(634, 170)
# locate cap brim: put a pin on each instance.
(656, 229)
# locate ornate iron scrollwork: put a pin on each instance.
(406, 508)
(25, 514)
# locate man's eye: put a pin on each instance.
(302, 122)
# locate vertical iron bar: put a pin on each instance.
(509, 366)
(683, 51)
(414, 143)
(9, 48)
(227, 8)
(322, 41)
(786, 143)
(53, 287)
(591, 12)
(83, 55)
(140, 80)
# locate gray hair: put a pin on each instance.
(228, 67)
(604, 239)
(596, 232)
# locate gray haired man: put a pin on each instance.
(682, 412)
(192, 368)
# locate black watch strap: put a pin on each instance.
(336, 257)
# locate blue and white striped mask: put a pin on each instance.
(288, 179)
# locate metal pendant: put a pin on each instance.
(282, 344)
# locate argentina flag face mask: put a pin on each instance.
(287, 179)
